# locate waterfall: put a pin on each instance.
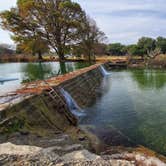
(104, 71)
(73, 107)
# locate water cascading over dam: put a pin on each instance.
(104, 71)
(73, 106)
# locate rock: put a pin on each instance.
(11, 149)
(98, 162)
(69, 155)
(82, 155)
(61, 150)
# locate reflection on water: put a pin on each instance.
(133, 102)
(25, 72)
(36, 71)
(149, 78)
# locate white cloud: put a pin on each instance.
(127, 20)
(122, 20)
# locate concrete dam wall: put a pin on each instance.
(48, 112)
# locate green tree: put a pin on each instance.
(135, 50)
(57, 22)
(146, 45)
(32, 46)
(161, 44)
(116, 49)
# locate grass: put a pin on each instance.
(158, 61)
(111, 58)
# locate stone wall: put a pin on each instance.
(83, 88)
(43, 115)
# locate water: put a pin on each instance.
(104, 71)
(24, 72)
(134, 103)
(73, 107)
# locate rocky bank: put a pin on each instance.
(69, 155)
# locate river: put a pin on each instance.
(134, 103)
(24, 72)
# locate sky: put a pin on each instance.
(122, 21)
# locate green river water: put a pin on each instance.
(134, 103)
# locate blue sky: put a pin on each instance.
(122, 20)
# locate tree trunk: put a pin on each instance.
(61, 55)
(40, 58)
(89, 56)
(63, 67)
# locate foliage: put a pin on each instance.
(90, 36)
(116, 49)
(146, 45)
(134, 50)
(32, 46)
(53, 22)
(100, 49)
(161, 43)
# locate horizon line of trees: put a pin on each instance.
(146, 46)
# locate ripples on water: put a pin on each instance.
(134, 102)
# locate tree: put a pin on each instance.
(117, 49)
(90, 37)
(161, 44)
(135, 50)
(32, 46)
(57, 22)
(100, 49)
(146, 45)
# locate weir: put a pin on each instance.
(104, 71)
(40, 113)
(73, 106)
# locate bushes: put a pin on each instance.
(143, 48)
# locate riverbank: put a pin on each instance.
(73, 155)
(159, 62)
(52, 58)
(131, 61)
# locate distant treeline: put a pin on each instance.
(6, 49)
(144, 46)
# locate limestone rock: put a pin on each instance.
(11, 149)
(82, 155)
(69, 155)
